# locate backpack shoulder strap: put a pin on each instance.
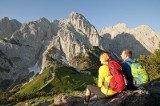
(108, 69)
(129, 62)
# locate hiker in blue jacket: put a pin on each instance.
(127, 60)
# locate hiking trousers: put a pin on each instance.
(96, 90)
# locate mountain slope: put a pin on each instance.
(57, 80)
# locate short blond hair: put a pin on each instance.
(105, 57)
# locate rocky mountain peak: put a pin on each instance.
(83, 26)
(121, 26)
(4, 19)
(74, 17)
(80, 22)
(114, 30)
(144, 29)
(34, 26)
(8, 27)
(43, 19)
(78, 19)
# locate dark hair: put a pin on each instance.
(128, 53)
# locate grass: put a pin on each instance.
(66, 80)
(35, 84)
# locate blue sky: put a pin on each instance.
(100, 13)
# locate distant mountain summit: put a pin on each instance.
(141, 40)
(29, 48)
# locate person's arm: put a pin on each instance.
(100, 77)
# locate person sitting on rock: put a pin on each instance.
(127, 61)
(102, 90)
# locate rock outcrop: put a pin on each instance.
(148, 97)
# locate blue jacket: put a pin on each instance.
(127, 70)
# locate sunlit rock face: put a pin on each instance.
(142, 40)
(73, 36)
(24, 48)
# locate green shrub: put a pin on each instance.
(152, 64)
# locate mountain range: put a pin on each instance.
(27, 49)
